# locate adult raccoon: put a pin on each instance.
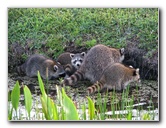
(96, 61)
(39, 63)
(71, 62)
(115, 76)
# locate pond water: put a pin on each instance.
(145, 99)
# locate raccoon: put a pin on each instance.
(71, 62)
(115, 76)
(97, 59)
(39, 63)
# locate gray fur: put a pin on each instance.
(96, 61)
(116, 76)
(39, 63)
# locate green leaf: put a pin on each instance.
(44, 108)
(55, 111)
(84, 111)
(69, 107)
(10, 113)
(9, 96)
(41, 85)
(91, 108)
(129, 116)
(15, 96)
(146, 116)
(28, 100)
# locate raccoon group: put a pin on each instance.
(65, 65)
(103, 66)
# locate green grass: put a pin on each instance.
(84, 26)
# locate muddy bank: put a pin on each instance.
(134, 56)
(138, 59)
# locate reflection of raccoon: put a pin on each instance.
(71, 62)
(115, 76)
(39, 63)
(97, 59)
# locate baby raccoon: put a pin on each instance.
(96, 61)
(71, 62)
(39, 63)
(115, 76)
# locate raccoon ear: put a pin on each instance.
(131, 66)
(71, 55)
(136, 72)
(55, 67)
(83, 53)
(122, 51)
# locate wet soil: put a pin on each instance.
(146, 93)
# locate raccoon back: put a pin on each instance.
(116, 76)
(97, 59)
(40, 63)
(64, 58)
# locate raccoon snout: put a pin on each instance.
(78, 65)
(62, 74)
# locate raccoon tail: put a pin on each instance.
(77, 76)
(95, 87)
(19, 70)
(69, 69)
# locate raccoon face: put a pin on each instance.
(136, 76)
(77, 59)
(58, 71)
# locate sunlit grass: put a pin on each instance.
(84, 26)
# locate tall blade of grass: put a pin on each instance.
(46, 101)
(69, 107)
(41, 85)
(91, 108)
(105, 105)
(28, 100)
(54, 110)
(101, 106)
(15, 96)
(10, 108)
(112, 104)
(9, 96)
(146, 116)
(60, 101)
(10, 113)
(129, 115)
(84, 110)
(130, 103)
(44, 108)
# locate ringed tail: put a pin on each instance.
(77, 76)
(94, 88)
(68, 69)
